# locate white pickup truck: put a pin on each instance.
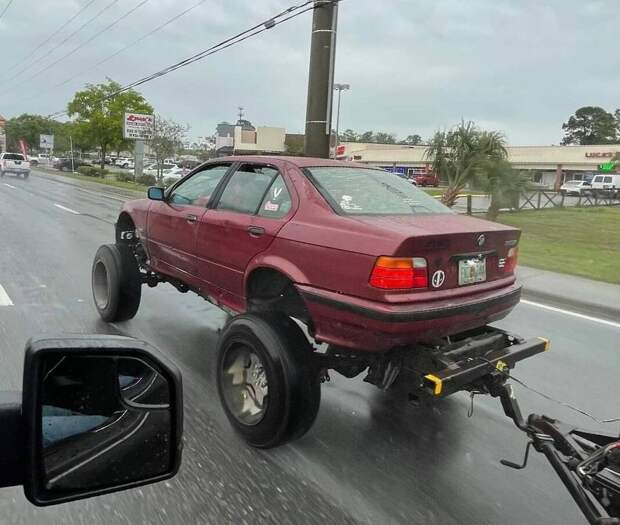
(14, 163)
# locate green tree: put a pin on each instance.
(367, 136)
(590, 125)
(98, 112)
(348, 135)
(412, 140)
(502, 183)
(462, 154)
(384, 138)
(28, 128)
(167, 139)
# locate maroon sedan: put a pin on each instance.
(302, 249)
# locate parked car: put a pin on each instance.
(41, 158)
(576, 187)
(14, 163)
(426, 179)
(609, 183)
(175, 172)
(65, 164)
(152, 168)
(395, 283)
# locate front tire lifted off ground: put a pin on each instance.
(267, 380)
(116, 283)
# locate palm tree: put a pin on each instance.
(463, 153)
(503, 184)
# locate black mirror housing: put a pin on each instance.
(101, 414)
(156, 193)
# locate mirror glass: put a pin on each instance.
(105, 421)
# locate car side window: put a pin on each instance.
(246, 188)
(197, 190)
(607, 180)
(277, 202)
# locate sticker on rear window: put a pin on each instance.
(271, 206)
(346, 203)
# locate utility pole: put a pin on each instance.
(340, 88)
(321, 79)
(241, 108)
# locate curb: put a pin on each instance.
(584, 307)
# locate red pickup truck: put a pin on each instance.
(381, 276)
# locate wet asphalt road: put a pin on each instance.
(370, 457)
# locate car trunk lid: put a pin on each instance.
(459, 250)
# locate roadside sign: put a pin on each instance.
(607, 167)
(2, 142)
(138, 127)
(46, 141)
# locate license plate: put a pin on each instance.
(472, 271)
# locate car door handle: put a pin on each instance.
(190, 217)
(256, 231)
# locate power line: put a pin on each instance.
(88, 41)
(236, 39)
(136, 41)
(83, 8)
(5, 8)
(36, 61)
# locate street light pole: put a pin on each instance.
(340, 88)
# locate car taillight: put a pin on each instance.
(511, 260)
(392, 273)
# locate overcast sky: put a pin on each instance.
(519, 66)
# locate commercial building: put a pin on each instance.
(549, 166)
(243, 138)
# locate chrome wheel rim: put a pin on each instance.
(244, 385)
(101, 285)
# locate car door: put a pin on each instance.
(253, 206)
(172, 223)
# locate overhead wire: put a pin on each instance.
(88, 41)
(135, 42)
(6, 8)
(62, 42)
(80, 11)
(261, 27)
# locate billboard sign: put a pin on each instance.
(137, 126)
(46, 141)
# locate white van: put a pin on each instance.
(609, 183)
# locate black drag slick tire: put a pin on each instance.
(293, 396)
(116, 283)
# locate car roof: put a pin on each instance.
(300, 162)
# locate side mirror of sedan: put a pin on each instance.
(100, 414)
(155, 193)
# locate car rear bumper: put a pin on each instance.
(372, 326)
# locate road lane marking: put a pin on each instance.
(5, 300)
(67, 209)
(8, 185)
(571, 313)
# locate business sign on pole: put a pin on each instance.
(138, 127)
(46, 141)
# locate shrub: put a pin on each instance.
(146, 180)
(92, 171)
(125, 177)
(169, 181)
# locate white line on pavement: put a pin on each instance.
(8, 185)
(569, 312)
(67, 209)
(5, 300)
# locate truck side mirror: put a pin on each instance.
(101, 414)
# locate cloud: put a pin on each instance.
(414, 65)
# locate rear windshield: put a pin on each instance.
(359, 191)
(13, 156)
